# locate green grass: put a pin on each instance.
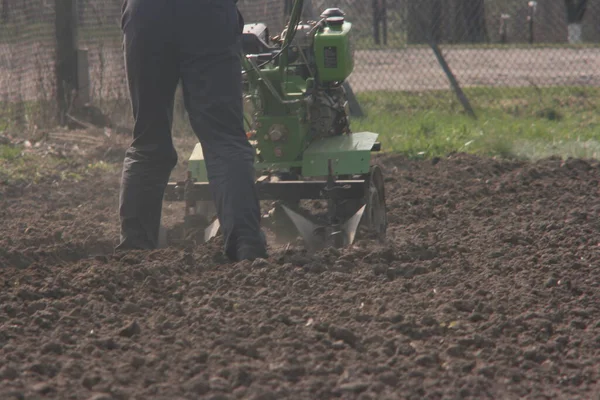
(27, 114)
(526, 123)
(9, 154)
(18, 167)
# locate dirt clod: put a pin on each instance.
(260, 263)
(8, 373)
(197, 385)
(52, 348)
(13, 395)
(578, 324)
(425, 360)
(352, 387)
(485, 288)
(43, 388)
(130, 330)
(343, 334)
(101, 396)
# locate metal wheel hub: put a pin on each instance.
(376, 213)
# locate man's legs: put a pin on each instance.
(212, 85)
(152, 75)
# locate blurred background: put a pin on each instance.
(426, 70)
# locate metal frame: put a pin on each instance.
(283, 190)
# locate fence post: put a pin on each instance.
(530, 19)
(380, 21)
(453, 82)
(384, 22)
(66, 56)
(376, 22)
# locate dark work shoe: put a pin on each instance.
(251, 253)
(128, 244)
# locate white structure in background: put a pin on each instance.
(575, 30)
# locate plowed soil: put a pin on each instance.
(488, 287)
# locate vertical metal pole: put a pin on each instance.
(66, 55)
(530, 18)
(384, 18)
(531, 29)
(504, 28)
(376, 16)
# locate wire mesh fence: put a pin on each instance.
(26, 56)
(487, 44)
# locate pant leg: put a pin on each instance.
(210, 45)
(152, 75)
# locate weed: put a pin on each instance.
(9, 153)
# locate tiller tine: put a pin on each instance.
(212, 230)
(351, 226)
(335, 233)
(311, 233)
(317, 237)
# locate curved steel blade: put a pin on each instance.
(212, 230)
(351, 226)
(306, 228)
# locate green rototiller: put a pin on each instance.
(297, 119)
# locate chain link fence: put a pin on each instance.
(488, 44)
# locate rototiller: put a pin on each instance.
(297, 119)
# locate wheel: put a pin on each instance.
(374, 222)
(376, 211)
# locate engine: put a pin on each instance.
(314, 54)
(295, 84)
(328, 112)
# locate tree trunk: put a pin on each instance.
(575, 10)
(65, 30)
(469, 22)
(437, 16)
(380, 21)
(5, 13)
(414, 21)
(287, 8)
(81, 11)
(308, 11)
(424, 21)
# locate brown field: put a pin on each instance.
(487, 288)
